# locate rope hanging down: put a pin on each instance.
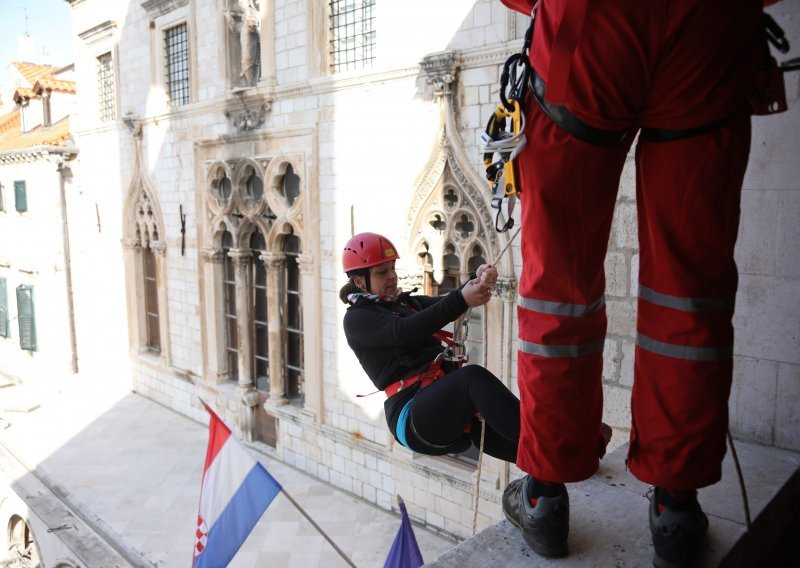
(483, 422)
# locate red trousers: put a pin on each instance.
(670, 64)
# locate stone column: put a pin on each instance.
(133, 274)
(275, 263)
(312, 333)
(505, 290)
(213, 332)
(246, 383)
(245, 359)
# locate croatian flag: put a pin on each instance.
(236, 491)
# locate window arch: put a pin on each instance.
(145, 268)
(258, 266)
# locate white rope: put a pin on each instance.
(478, 481)
(483, 423)
(505, 248)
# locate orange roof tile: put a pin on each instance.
(59, 85)
(31, 72)
(24, 93)
(9, 121)
(13, 139)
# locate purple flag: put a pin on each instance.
(405, 551)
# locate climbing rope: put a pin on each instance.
(483, 422)
(746, 505)
(478, 480)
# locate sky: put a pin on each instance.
(49, 23)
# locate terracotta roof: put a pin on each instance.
(11, 138)
(9, 121)
(24, 93)
(59, 85)
(31, 72)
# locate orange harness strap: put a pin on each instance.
(426, 377)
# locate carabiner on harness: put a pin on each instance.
(504, 134)
(456, 351)
(505, 137)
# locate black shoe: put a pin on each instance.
(677, 533)
(544, 526)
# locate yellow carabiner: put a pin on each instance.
(503, 171)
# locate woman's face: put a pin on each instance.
(383, 279)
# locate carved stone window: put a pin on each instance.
(254, 210)
(145, 253)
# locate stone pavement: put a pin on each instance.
(130, 469)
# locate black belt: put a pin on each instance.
(587, 133)
(571, 123)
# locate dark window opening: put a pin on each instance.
(176, 53)
(229, 313)
(292, 319)
(352, 34)
(105, 88)
(20, 196)
(26, 318)
(259, 311)
(151, 300)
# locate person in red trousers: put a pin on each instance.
(678, 73)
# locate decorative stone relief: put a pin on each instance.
(441, 69)
(245, 119)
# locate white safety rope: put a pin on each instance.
(483, 422)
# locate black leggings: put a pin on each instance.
(440, 412)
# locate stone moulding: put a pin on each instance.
(156, 8)
(98, 33)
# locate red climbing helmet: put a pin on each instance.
(367, 249)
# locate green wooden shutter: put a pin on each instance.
(27, 324)
(20, 196)
(3, 308)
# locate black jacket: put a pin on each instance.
(394, 340)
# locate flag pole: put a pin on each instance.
(319, 528)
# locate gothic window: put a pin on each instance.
(150, 286)
(256, 269)
(259, 311)
(144, 253)
(293, 321)
(290, 185)
(450, 248)
(229, 308)
(254, 187)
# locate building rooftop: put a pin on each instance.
(12, 137)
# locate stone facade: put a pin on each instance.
(387, 147)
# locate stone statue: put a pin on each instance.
(248, 22)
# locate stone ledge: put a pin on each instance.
(609, 526)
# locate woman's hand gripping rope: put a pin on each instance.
(478, 291)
